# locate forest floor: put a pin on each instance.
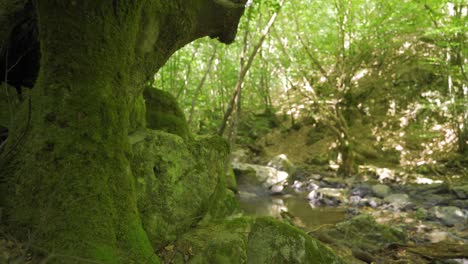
(384, 214)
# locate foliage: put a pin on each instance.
(393, 69)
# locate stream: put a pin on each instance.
(257, 203)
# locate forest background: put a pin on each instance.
(373, 81)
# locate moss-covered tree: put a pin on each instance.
(66, 177)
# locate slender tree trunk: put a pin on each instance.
(200, 85)
(244, 69)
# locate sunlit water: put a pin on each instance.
(297, 206)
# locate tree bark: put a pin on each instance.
(68, 183)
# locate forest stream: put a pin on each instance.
(376, 219)
(323, 132)
(308, 216)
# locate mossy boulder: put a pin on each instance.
(163, 113)
(248, 240)
(179, 182)
(361, 235)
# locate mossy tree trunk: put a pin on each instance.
(69, 185)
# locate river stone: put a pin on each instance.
(450, 215)
(334, 182)
(463, 204)
(381, 190)
(265, 176)
(328, 196)
(305, 186)
(461, 191)
(277, 188)
(356, 201)
(398, 201)
(361, 190)
(435, 199)
(374, 202)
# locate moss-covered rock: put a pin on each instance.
(271, 241)
(248, 240)
(179, 182)
(361, 235)
(163, 113)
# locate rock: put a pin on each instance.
(312, 196)
(246, 240)
(461, 191)
(163, 113)
(265, 176)
(361, 190)
(382, 174)
(434, 199)
(374, 202)
(381, 190)
(282, 163)
(328, 196)
(421, 213)
(398, 201)
(385, 175)
(277, 188)
(298, 186)
(307, 186)
(362, 232)
(450, 215)
(334, 182)
(179, 182)
(463, 204)
(355, 200)
(316, 177)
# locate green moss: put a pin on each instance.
(187, 177)
(138, 113)
(363, 233)
(271, 241)
(214, 243)
(231, 181)
(248, 240)
(163, 113)
(69, 182)
(8, 104)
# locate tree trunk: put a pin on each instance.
(200, 85)
(245, 67)
(346, 168)
(68, 183)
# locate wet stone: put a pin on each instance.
(450, 215)
(381, 190)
